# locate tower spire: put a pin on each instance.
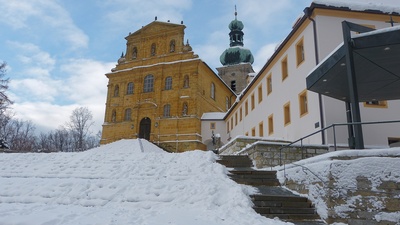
(235, 13)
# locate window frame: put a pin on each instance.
(212, 90)
(271, 124)
(212, 126)
(253, 104)
(167, 110)
(300, 52)
(168, 83)
(130, 88)
(286, 114)
(260, 94)
(186, 81)
(269, 84)
(148, 83)
(284, 68)
(261, 129)
(128, 114)
(303, 103)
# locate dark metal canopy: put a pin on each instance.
(376, 65)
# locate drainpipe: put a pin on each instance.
(307, 13)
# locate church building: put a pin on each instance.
(160, 89)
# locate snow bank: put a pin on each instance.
(119, 183)
(352, 177)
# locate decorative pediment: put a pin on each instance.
(157, 27)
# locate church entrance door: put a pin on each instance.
(144, 129)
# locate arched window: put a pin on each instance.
(227, 103)
(116, 91)
(167, 110)
(153, 49)
(129, 89)
(148, 83)
(128, 113)
(185, 109)
(168, 83)
(186, 81)
(134, 53)
(172, 46)
(212, 91)
(114, 116)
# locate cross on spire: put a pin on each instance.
(235, 12)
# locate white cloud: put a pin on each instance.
(262, 56)
(24, 14)
(84, 85)
(32, 55)
(34, 90)
(145, 11)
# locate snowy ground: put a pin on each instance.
(120, 184)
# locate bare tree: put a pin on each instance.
(4, 100)
(79, 125)
(21, 136)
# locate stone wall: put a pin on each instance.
(360, 201)
(266, 153)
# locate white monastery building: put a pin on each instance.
(276, 104)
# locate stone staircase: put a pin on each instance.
(272, 200)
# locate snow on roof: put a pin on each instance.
(118, 183)
(386, 6)
(379, 31)
(213, 116)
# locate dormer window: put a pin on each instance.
(153, 49)
(172, 46)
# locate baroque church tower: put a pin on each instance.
(236, 60)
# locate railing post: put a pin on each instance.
(334, 136)
(302, 150)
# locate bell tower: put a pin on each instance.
(236, 59)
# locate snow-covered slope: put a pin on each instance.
(119, 183)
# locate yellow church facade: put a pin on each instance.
(160, 89)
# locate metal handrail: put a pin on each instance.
(333, 126)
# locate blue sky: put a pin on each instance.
(58, 51)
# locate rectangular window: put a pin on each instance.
(284, 65)
(231, 122)
(300, 51)
(270, 124)
(269, 84)
(240, 114)
(260, 94)
(227, 127)
(246, 108)
(261, 129)
(236, 118)
(252, 102)
(247, 134)
(212, 126)
(253, 132)
(303, 103)
(286, 113)
(376, 104)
